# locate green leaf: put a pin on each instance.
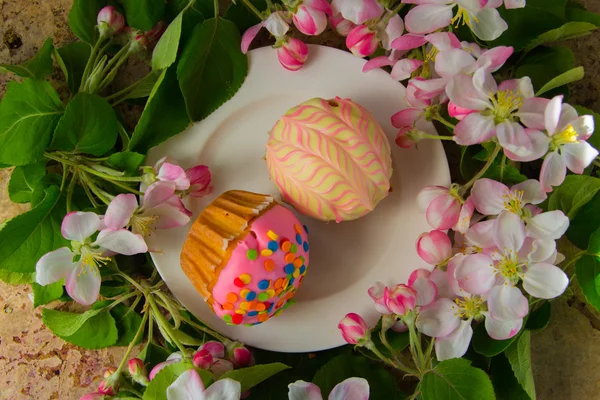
(581, 14)
(594, 140)
(39, 67)
(507, 174)
(165, 52)
(212, 67)
(25, 238)
(587, 270)
(82, 19)
(16, 278)
(570, 76)
(252, 376)
(28, 114)
(456, 379)
(594, 244)
(74, 57)
(468, 164)
(157, 388)
(483, 344)
(241, 16)
(94, 329)
(39, 191)
(145, 87)
(129, 161)
(574, 193)
(585, 223)
(46, 294)
(164, 115)
(23, 181)
(519, 356)
(192, 17)
(113, 288)
(540, 318)
(381, 382)
(505, 383)
(88, 126)
(128, 322)
(570, 30)
(143, 14)
(153, 354)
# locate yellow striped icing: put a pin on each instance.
(330, 159)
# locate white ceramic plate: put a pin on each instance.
(346, 258)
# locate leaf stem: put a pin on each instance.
(216, 6)
(393, 12)
(139, 332)
(105, 197)
(574, 259)
(91, 61)
(165, 327)
(65, 173)
(124, 136)
(487, 165)
(90, 195)
(371, 346)
(251, 7)
(119, 184)
(204, 329)
(443, 121)
(395, 354)
(70, 191)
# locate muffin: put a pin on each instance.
(246, 255)
(330, 159)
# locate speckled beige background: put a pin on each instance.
(36, 365)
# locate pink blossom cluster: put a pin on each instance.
(94, 239)
(500, 247)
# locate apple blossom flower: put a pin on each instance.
(430, 15)
(442, 206)
(408, 117)
(189, 386)
(161, 209)
(341, 25)
(362, 41)
(79, 265)
(292, 54)
(434, 247)
(567, 134)
(357, 11)
(110, 21)
(311, 16)
(200, 178)
(355, 330)
(276, 23)
(350, 389)
(491, 197)
(517, 259)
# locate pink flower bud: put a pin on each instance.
(377, 292)
(403, 139)
(362, 41)
(292, 54)
(341, 25)
(92, 396)
(434, 247)
(106, 388)
(200, 178)
(203, 359)
(401, 299)
(310, 21)
(441, 206)
(354, 329)
(156, 33)
(110, 21)
(216, 349)
(242, 357)
(220, 367)
(138, 372)
(108, 372)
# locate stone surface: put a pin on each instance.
(36, 365)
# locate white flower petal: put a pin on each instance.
(502, 330)
(539, 250)
(462, 91)
(482, 234)
(553, 171)
(121, 241)
(188, 386)
(509, 232)
(426, 291)
(489, 196)
(545, 281)
(578, 156)
(454, 345)
(552, 114)
(79, 225)
(428, 18)
(568, 115)
(507, 303)
(584, 126)
(83, 284)
(532, 191)
(427, 195)
(54, 266)
(120, 210)
(548, 225)
(439, 319)
(276, 24)
(476, 274)
(450, 63)
(301, 390)
(532, 111)
(223, 389)
(350, 389)
(474, 128)
(488, 24)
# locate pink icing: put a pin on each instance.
(284, 224)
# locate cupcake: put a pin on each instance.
(246, 255)
(330, 159)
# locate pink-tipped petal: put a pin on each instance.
(120, 210)
(393, 31)
(455, 344)
(484, 83)
(301, 390)
(443, 41)
(521, 144)
(584, 126)
(216, 349)
(509, 232)
(453, 62)
(502, 330)
(532, 112)
(310, 21)
(249, 36)
(482, 234)
(319, 5)
(292, 54)
(404, 68)
(476, 274)
(443, 212)
(488, 196)
(474, 128)
(553, 172)
(351, 389)
(83, 284)
(341, 25)
(434, 247)
(408, 42)
(427, 291)
(428, 18)
(362, 41)
(507, 303)
(545, 281)
(406, 117)
(462, 91)
(358, 11)
(428, 194)
(377, 292)
(439, 319)
(377, 62)
(54, 266)
(79, 225)
(458, 112)
(158, 193)
(171, 215)
(494, 58)
(173, 173)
